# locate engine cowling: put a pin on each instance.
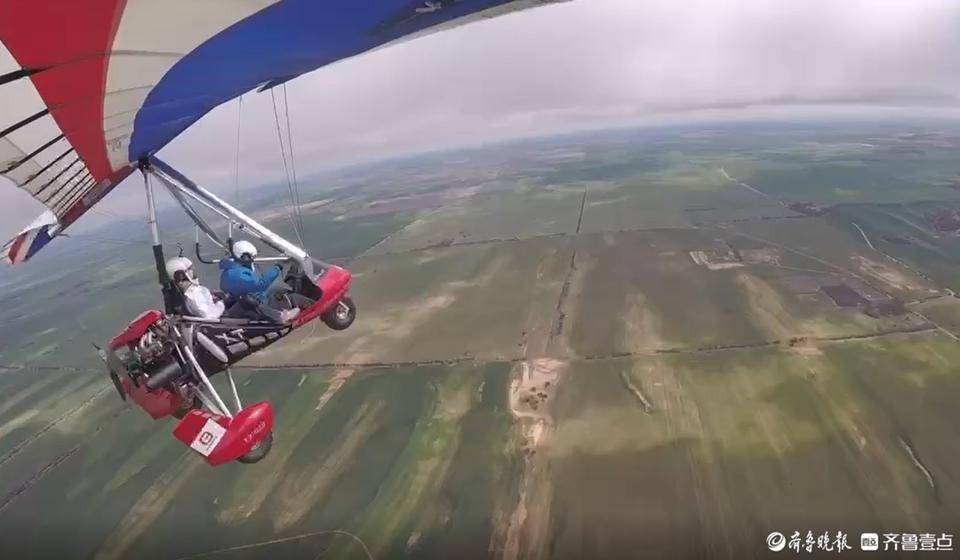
(142, 359)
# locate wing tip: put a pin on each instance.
(26, 244)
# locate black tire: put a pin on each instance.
(338, 319)
(259, 451)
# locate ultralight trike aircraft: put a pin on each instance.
(163, 360)
(91, 91)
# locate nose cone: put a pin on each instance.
(335, 280)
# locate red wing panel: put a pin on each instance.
(73, 39)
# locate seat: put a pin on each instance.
(177, 301)
(242, 308)
(238, 339)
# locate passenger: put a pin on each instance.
(199, 301)
(239, 278)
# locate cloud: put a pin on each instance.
(583, 63)
(602, 59)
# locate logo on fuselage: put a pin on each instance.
(208, 438)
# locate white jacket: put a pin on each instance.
(200, 302)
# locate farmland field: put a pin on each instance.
(656, 342)
(735, 443)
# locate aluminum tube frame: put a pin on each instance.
(180, 182)
(151, 210)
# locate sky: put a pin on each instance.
(579, 64)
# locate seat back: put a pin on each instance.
(175, 300)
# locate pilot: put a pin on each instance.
(240, 278)
(199, 301)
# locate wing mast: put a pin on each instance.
(180, 184)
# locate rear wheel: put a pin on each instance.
(342, 315)
(259, 450)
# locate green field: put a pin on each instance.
(739, 444)
(685, 195)
(486, 302)
(904, 232)
(899, 165)
(819, 245)
(386, 458)
(641, 292)
(522, 214)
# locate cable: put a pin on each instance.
(105, 213)
(236, 169)
(99, 239)
(286, 169)
(293, 159)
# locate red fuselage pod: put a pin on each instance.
(220, 439)
(159, 403)
(333, 285)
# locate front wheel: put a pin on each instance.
(259, 450)
(342, 315)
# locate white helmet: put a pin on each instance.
(180, 269)
(244, 247)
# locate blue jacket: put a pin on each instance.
(239, 280)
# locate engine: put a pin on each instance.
(144, 366)
(145, 352)
(152, 349)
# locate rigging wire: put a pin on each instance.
(236, 172)
(106, 213)
(286, 170)
(100, 239)
(236, 161)
(213, 239)
(293, 160)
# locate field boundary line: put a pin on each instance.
(931, 327)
